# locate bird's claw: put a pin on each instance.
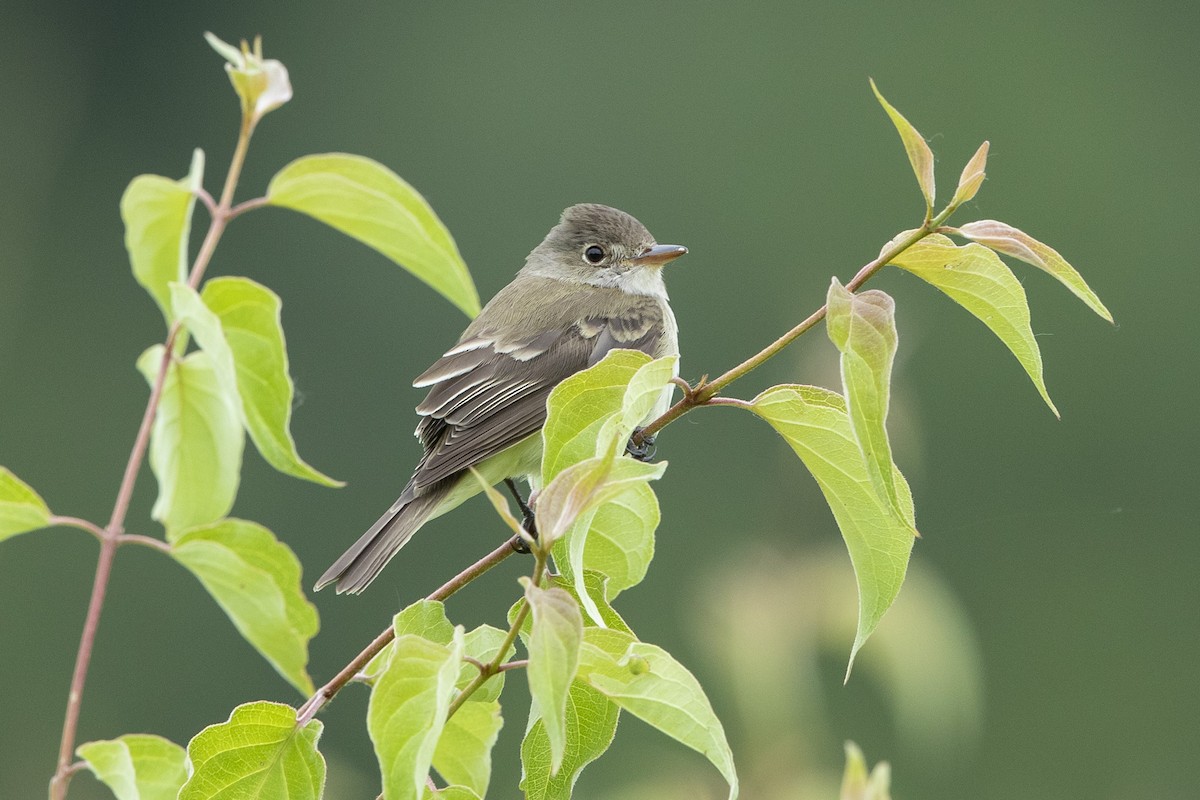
(643, 451)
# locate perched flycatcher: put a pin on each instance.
(593, 285)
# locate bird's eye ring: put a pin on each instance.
(594, 254)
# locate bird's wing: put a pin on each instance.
(488, 392)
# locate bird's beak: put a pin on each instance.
(658, 255)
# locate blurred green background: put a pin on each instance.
(1046, 646)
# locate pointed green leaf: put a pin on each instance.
(407, 711)
(21, 508)
(483, 644)
(424, 618)
(255, 578)
(619, 541)
(259, 754)
(464, 753)
(1004, 238)
(972, 177)
(863, 327)
(585, 486)
(597, 408)
(196, 443)
(237, 322)
(856, 785)
(595, 585)
(919, 154)
(975, 278)
(815, 423)
(648, 683)
(137, 766)
(591, 724)
(366, 200)
(553, 658)
(500, 504)
(157, 212)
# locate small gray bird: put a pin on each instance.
(593, 285)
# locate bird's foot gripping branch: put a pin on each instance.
(436, 687)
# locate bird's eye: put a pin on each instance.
(594, 254)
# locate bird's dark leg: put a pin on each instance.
(527, 520)
(643, 451)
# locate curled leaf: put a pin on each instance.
(972, 177)
(1004, 238)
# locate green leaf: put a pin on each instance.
(815, 423)
(1004, 238)
(575, 496)
(619, 540)
(595, 585)
(157, 212)
(407, 711)
(975, 278)
(464, 753)
(259, 754)
(137, 766)
(21, 508)
(255, 578)
(424, 618)
(972, 177)
(196, 443)
(237, 322)
(553, 658)
(919, 154)
(863, 327)
(648, 683)
(591, 724)
(856, 785)
(367, 201)
(584, 486)
(597, 408)
(483, 644)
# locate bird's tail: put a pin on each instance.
(359, 565)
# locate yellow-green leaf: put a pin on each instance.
(863, 328)
(367, 201)
(21, 508)
(255, 578)
(196, 443)
(137, 766)
(815, 424)
(591, 724)
(649, 683)
(975, 278)
(598, 407)
(407, 711)
(553, 658)
(259, 754)
(1004, 238)
(619, 540)
(237, 322)
(972, 177)
(157, 213)
(464, 752)
(919, 154)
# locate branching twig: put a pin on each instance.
(326, 693)
(113, 534)
(703, 393)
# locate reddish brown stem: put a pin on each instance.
(326, 693)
